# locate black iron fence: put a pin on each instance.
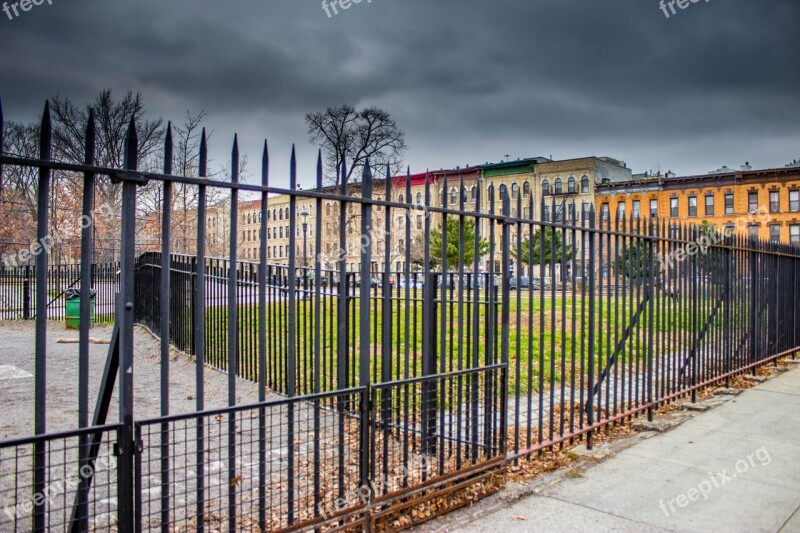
(18, 288)
(577, 324)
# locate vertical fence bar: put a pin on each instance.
(87, 225)
(318, 335)
(165, 291)
(590, 356)
(40, 386)
(126, 478)
(291, 356)
(428, 336)
(505, 325)
(198, 319)
(233, 337)
(262, 341)
(364, 318)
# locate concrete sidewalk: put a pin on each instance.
(733, 468)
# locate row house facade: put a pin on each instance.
(764, 204)
(538, 189)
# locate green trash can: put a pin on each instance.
(73, 307)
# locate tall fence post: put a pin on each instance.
(428, 337)
(365, 321)
(125, 445)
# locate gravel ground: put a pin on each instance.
(17, 393)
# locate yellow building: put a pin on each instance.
(761, 203)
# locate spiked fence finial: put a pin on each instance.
(168, 149)
(265, 165)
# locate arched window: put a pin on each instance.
(400, 199)
(280, 214)
(514, 191)
(419, 198)
(453, 196)
(269, 215)
(545, 188)
(328, 209)
(526, 189)
(571, 185)
(585, 184)
(441, 196)
(474, 193)
(559, 186)
(490, 192)
(464, 195)
(286, 213)
(503, 191)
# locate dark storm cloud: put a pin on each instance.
(469, 81)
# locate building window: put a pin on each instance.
(286, 213)
(636, 210)
(585, 211)
(514, 191)
(729, 203)
(419, 198)
(527, 212)
(559, 213)
(775, 233)
(752, 202)
(604, 211)
(621, 211)
(585, 184)
(673, 207)
(752, 231)
(571, 186)
(572, 213)
(559, 186)
(464, 195)
(526, 189)
(490, 191)
(453, 196)
(419, 221)
(474, 193)
(654, 208)
(546, 213)
(709, 205)
(774, 201)
(400, 199)
(545, 188)
(794, 201)
(693, 206)
(794, 234)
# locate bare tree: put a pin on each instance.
(350, 137)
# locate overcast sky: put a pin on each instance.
(468, 81)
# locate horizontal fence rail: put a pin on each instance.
(438, 335)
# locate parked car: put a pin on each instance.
(411, 283)
(524, 283)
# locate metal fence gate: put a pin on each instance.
(382, 385)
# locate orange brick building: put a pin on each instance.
(763, 203)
